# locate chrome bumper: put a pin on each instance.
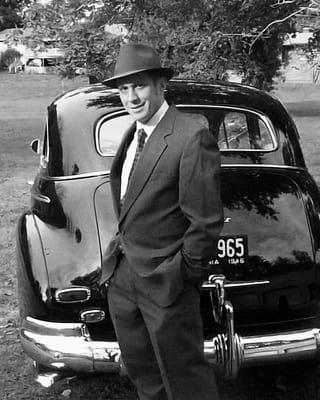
(69, 347)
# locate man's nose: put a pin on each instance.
(132, 96)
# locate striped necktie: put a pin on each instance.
(140, 144)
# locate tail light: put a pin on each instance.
(92, 315)
(73, 294)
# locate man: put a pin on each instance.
(165, 185)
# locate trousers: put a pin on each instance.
(161, 347)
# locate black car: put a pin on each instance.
(261, 302)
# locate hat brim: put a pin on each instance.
(112, 82)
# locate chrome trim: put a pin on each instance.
(232, 365)
(107, 172)
(259, 349)
(47, 150)
(73, 289)
(47, 379)
(98, 126)
(41, 197)
(287, 345)
(93, 311)
(264, 166)
(217, 296)
(80, 176)
(68, 346)
(211, 284)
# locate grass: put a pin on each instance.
(23, 101)
(303, 102)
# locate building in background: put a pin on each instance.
(300, 68)
(44, 60)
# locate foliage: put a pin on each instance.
(9, 17)
(202, 39)
(314, 45)
(7, 57)
(209, 38)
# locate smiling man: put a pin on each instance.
(142, 96)
(165, 182)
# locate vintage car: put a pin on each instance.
(261, 302)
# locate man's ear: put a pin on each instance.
(163, 83)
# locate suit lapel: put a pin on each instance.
(116, 168)
(149, 158)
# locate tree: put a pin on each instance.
(8, 57)
(9, 17)
(202, 39)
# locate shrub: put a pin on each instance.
(7, 57)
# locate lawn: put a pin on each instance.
(303, 102)
(23, 101)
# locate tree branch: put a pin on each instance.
(277, 21)
(242, 34)
(282, 2)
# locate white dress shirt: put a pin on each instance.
(148, 128)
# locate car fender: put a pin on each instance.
(32, 276)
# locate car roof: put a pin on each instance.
(193, 92)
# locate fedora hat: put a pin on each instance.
(135, 58)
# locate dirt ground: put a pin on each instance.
(23, 101)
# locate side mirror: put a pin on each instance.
(36, 146)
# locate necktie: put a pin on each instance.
(140, 144)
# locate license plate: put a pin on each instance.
(233, 249)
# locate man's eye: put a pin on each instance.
(140, 85)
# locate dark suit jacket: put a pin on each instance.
(172, 214)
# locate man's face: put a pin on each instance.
(141, 95)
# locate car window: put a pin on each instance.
(34, 62)
(244, 131)
(235, 129)
(110, 132)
